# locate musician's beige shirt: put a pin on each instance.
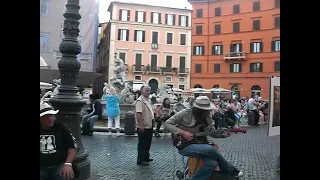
(185, 118)
(143, 106)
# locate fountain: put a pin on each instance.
(123, 88)
(163, 92)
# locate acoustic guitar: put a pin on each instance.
(199, 136)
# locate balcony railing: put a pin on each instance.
(153, 69)
(138, 69)
(154, 45)
(183, 71)
(235, 55)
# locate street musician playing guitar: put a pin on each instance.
(190, 128)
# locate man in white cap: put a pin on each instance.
(199, 114)
(57, 146)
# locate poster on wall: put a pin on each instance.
(274, 107)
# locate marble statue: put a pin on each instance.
(56, 83)
(105, 91)
(120, 82)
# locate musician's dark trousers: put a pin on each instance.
(217, 121)
(209, 156)
(144, 144)
(256, 116)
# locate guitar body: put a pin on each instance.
(198, 136)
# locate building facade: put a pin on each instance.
(236, 45)
(153, 41)
(51, 34)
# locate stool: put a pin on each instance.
(195, 164)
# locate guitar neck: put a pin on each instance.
(201, 134)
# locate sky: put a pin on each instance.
(104, 15)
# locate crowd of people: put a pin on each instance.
(58, 146)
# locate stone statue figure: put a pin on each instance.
(105, 91)
(56, 84)
(120, 82)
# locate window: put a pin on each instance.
(168, 79)
(236, 9)
(183, 38)
(216, 68)
(154, 63)
(155, 18)
(44, 7)
(217, 11)
(217, 28)
(256, 6)
(124, 15)
(235, 68)
(182, 80)
(155, 37)
(277, 22)
(123, 34)
(198, 68)
(122, 55)
(182, 64)
(170, 19)
(169, 61)
(198, 50)
(217, 49)
(237, 47)
(236, 27)
(138, 78)
(183, 21)
(277, 4)
(138, 62)
(139, 36)
(169, 38)
(198, 30)
(199, 13)
(140, 16)
(275, 46)
(44, 42)
(277, 66)
(256, 25)
(256, 47)
(182, 86)
(256, 67)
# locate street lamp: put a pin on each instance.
(68, 100)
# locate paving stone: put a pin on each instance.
(114, 158)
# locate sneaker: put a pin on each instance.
(109, 133)
(237, 173)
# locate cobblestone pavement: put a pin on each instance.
(114, 158)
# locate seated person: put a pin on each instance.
(57, 147)
(197, 115)
(95, 113)
(216, 114)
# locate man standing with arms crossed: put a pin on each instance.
(144, 117)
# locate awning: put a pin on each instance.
(44, 85)
(83, 79)
(43, 62)
(137, 86)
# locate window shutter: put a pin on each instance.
(174, 20)
(179, 20)
(203, 51)
(251, 47)
(194, 50)
(152, 17)
(251, 67)
(221, 49)
(231, 47)
(273, 46)
(240, 47)
(144, 16)
(261, 46)
(128, 16)
(127, 39)
(135, 36)
(159, 18)
(240, 67)
(213, 50)
(166, 19)
(261, 67)
(143, 36)
(187, 21)
(231, 69)
(136, 18)
(120, 14)
(119, 34)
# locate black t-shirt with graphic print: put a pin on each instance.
(54, 144)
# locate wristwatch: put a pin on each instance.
(69, 164)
